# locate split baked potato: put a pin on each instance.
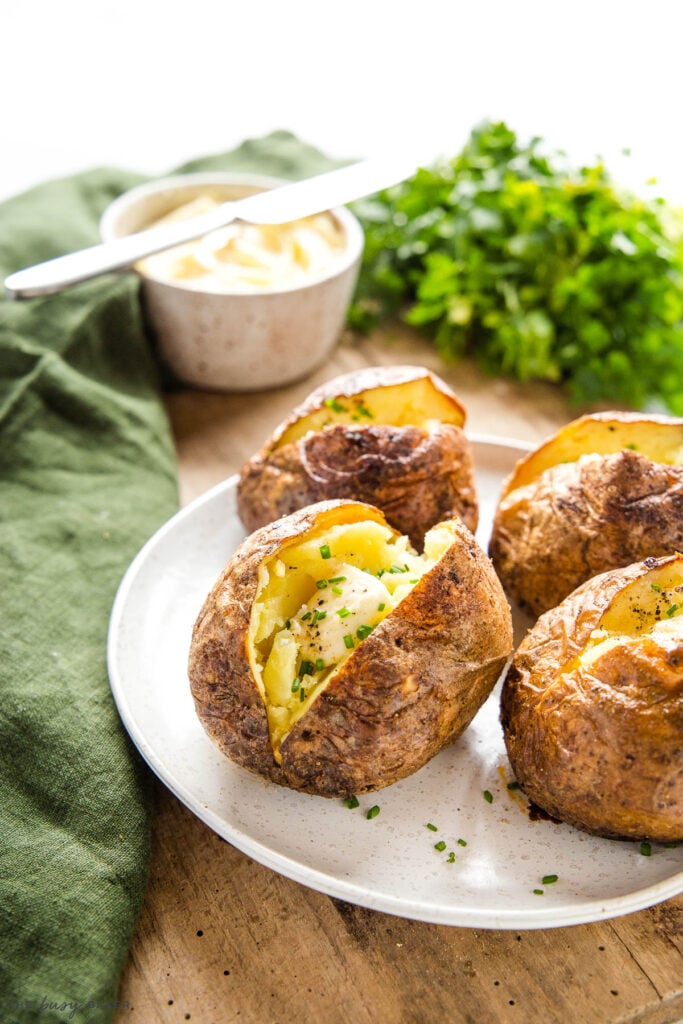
(592, 707)
(388, 435)
(603, 492)
(332, 658)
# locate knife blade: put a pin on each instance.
(274, 206)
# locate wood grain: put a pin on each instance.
(291, 953)
(222, 939)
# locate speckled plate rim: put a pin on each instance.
(169, 770)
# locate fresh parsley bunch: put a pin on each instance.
(538, 271)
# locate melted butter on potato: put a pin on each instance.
(318, 600)
(340, 610)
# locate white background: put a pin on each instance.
(148, 85)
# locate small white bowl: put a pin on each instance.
(238, 341)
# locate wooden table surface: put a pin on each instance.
(223, 939)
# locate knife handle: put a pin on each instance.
(55, 275)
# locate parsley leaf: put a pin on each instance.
(537, 270)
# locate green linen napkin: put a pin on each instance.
(87, 473)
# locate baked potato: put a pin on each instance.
(331, 658)
(388, 435)
(603, 492)
(592, 707)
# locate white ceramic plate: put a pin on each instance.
(389, 862)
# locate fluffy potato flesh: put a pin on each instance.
(647, 612)
(660, 439)
(318, 600)
(416, 402)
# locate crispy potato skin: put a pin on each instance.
(601, 749)
(409, 689)
(582, 518)
(417, 476)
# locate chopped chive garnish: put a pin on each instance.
(351, 802)
(645, 849)
(432, 828)
(296, 684)
(488, 796)
(380, 573)
(343, 613)
(302, 693)
(319, 664)
(399, 568)
(325, 551)
(633, 447)
(373, 812)
(451, 858)
(513, 785)
(656, 587)
(549, 879)
(306, 617)
(348, 642)
(306, 668)
(538, 892)
(336, 590)
(671, 609)
(440, 846)
(364, 631)
(381, 607)
(337, 579)
(462, 842)
(334, 405)
(364, 411)
(414, 581)
(321, 584)
(318, 617)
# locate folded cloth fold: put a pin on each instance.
(87, 473)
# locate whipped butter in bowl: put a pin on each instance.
(247, 306)
(248, 257)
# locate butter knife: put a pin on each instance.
(274, 206)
